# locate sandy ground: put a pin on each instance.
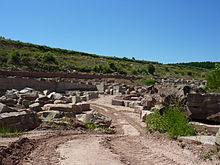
(130, 145)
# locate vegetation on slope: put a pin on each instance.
(213, 80)
(16, 55)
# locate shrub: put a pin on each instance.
(213, 80)
(82, 68)
(48, 58)
(151, 69)
(172, 120)
(14, 57)
(148, 82)
(3, 57)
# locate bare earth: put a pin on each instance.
(130, 145)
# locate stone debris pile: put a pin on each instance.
(25, 109)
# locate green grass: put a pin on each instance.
(60, 123)
(171, 121)
(5, 132)
(148, 82)
(16, 55)
(92, 126)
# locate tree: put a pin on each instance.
(151, 69)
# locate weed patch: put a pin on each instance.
(92, 126)
(171, 121)
(5, 132)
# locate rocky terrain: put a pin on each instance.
(101, 122)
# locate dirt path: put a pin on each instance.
(130, 145)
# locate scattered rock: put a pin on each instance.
(97, 119)
(145, 114)
(148, 102)
(21, 120)
(5, 109)
(8, 101)
(35, 107)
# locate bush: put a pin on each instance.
(14, 57)
(48, 58)
(172, 120)
(148, 82)
(3, 57)
(151, 69)
(213, 80)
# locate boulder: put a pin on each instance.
(76, 99)
(26, 90)
(25, 103)
(84, 106)
(127, 103)
(148, 102)
(59, 102)
(12, 94)
(92, 95)
(117, 102)
(5, 109)
(151, 90)
(217, 140)
(46, 92)
(55, 96)
(133, 104)
(144, 115)
(83, 98)
(97, 119)
(35, 107)
(44, 100)
(211, 128)
(22, 120)
(203, 106)
(63, 107)
(8, 101)
(49, 115)
(29, 96)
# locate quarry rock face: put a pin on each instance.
(203, 106)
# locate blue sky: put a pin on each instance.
(165, 31)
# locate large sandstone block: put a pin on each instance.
(35, 107)
(117, 102)
(84, 106)
(19, 120)
(59, 107)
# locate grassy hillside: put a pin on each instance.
(16, 55)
